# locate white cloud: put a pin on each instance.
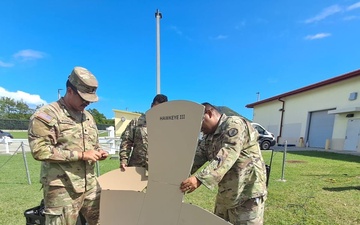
(24, 55)
(325, 13)
(353, 6)
(177, 30)
(29, 54)
(30, 99)
(219, 37)
(317, 36)
(4, 64)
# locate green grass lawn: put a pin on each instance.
(319, 188)
(19, 134)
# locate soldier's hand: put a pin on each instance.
(189, 185)
(122, 167)
(92, 155)
(104, 154)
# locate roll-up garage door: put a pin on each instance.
(320, 128)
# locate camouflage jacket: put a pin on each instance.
(235, 162)
(57, 136)
(134, 144)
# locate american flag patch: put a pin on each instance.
(44, 117)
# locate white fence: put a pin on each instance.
(110, 143)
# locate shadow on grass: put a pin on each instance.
(16, 182)
(349, 188)
(327, 155)
(330, 175)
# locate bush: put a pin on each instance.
(9, 124)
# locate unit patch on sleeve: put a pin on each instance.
(232, 132)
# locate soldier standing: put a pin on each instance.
(235, 165)
(64, 136)
(134, 140)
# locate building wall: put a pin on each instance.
(297, 109)
(340, 128)
(268, 116)
(122, 119)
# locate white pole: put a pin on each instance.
(59, 96)
(5, 139)
(283, 163)
(25, 162)
(158, 16)
(258, 96)
(111, 135)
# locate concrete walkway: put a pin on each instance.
(16, 146)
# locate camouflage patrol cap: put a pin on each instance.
(85, 83)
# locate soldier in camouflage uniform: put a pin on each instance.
(134, 140)
(235, 165)
(64, 136)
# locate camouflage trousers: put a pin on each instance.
(251, 212)
(63, 205)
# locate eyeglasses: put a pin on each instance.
(83, 100)
(77, 93)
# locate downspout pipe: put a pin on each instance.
(281, 119)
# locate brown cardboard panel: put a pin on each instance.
(132, 179)
(173, 131)
(162, 204)
(120, 207)
(193, 215)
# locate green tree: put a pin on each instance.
(98, 117)
(11, 109)
(7, 106)
(101, 118)
(19, 110)
(110, 122)
(228, 111)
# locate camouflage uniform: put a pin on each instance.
(57, 136)
(237, 167)
(134, 144)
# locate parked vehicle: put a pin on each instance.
(5, 134)
(266, 138)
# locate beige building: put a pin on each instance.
(122, 119)
(322, 115)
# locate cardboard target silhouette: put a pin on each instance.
(173, 130)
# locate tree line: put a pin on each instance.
(19, 110)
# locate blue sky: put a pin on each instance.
(223, 52)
